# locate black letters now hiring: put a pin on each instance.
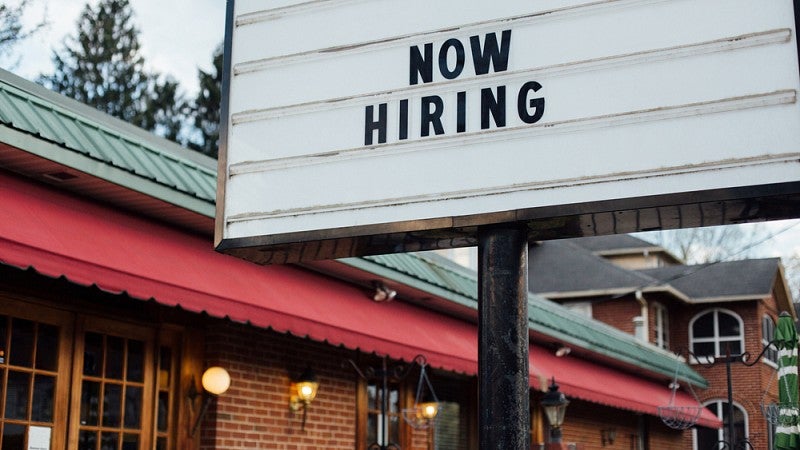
(492, 103)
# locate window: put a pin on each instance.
(32, 378)
(582, 308)
(123, 387)
(454, 428)
(450, 432)
(714, 332)
(383, 430)
(373, 426)
(662, 325)
(114, 373)
(767, 333)
(707, 438)
(79, 382)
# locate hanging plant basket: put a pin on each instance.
(772, 412)
(679, 417)
(416, 418)
(684, 416)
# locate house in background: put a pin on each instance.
(708, 309)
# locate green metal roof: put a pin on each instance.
(438, 275)
(65, 131)
(78, 130)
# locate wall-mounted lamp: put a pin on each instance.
(609, 435)
(302, 393)
(216, 382)
(382, 292)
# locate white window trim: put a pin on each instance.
(765, 340)
(662, 325)
(719, 416)
(718, 352)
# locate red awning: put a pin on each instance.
(93, 245)
(595, 383)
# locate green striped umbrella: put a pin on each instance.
(787, 433)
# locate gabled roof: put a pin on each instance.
(566, 266)
(622, 244)
(749, 278)
(613, 242)
(570, 269)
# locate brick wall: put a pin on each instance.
(585, 421)
(748, 383)
(254, 413)
(618, 313)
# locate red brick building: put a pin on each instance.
(113, 303)
(707, 309)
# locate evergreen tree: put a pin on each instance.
(102, 66)
(12, 29)
(165, 110)
(205, 111)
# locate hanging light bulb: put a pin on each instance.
(426, 408)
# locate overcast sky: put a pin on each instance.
(177, 36)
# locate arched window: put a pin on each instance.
(713, 332)
(708, 438)
(767, 333)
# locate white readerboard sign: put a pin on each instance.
(348, 118)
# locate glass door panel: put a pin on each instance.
(29, 363)
(69, 381)
(112, 401)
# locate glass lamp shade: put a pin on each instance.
(422, 415)
(555, 414)
(555, 405)
(216, 380)
(427, 411)
(306, 390)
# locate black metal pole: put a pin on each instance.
(731, 429)
(384, 439)
(503, 394)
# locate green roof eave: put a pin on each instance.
(408, 280)
(102, 169)
(78, 136)
(547, 318)
(616, 344)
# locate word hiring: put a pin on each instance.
(489, 102)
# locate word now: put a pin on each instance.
(421, 63)
(490, 103)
